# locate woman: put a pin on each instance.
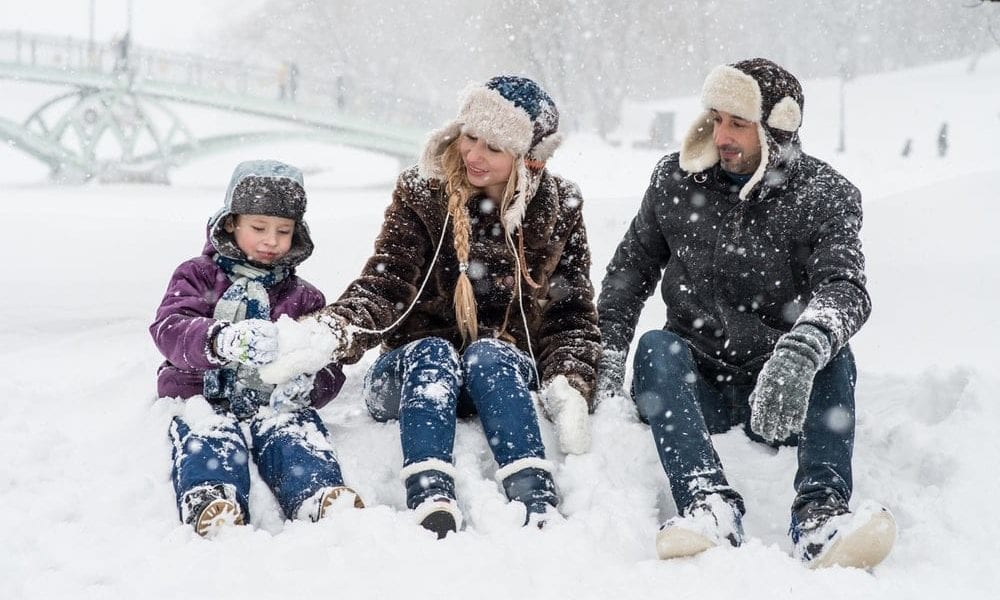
(479, 292)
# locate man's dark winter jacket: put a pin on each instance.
(560, 314)
(738, 274)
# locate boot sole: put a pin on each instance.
(677, 542)
(863, 548)
(331, 497)
(441, 522)
(219, 514)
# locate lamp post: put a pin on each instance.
(842, 57)
(91, 50)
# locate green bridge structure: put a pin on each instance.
(117, 121)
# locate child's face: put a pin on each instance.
(264, 239)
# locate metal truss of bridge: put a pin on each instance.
(117, 123)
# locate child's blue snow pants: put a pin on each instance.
(292, 451)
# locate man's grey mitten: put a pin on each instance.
(779, 401)
(610, 374)
(252, 342)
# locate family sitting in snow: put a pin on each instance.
(479, 293)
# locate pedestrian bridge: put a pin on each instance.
(116, 120)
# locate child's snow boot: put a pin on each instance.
(529, 481)
(826, 533)
(707, 522)
(211, 508)
(322, 502)
(430, 492)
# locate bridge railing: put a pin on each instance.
(126, 63)
(38, 50)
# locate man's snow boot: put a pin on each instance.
(430, 492)
(210, 508)
(826, 533)
(321, 503)
(534, 487)
(707, 522)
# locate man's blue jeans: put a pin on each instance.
(683, 406)
(427, 386)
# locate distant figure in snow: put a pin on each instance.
(123, 48)
(942, 140)
(757, 245)
(215, 328)
(479, 292)
(293, 80)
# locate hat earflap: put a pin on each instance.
(514, 215)
(438, 140)
(786, 115)
(698, 151)
(546, 147)
(765, 158)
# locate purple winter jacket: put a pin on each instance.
(185, 327)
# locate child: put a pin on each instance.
(214, 326)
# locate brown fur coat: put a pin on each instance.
(561, 316)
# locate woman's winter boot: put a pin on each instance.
(430, 492)
(529, 481)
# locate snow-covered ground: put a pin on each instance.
(86, 504)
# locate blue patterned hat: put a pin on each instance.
(512, 113)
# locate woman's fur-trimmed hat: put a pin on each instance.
(513, 113)
(757, 90)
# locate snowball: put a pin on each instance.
(303, 347)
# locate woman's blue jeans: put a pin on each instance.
(427, 386)
(684, 406)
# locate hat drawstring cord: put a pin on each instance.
(427, 277)
(520, 305)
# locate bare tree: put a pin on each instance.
(412, 57)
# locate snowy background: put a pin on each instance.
(86, 503)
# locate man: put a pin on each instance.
(763, 278)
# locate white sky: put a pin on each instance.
(166, 24)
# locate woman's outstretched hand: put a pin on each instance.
(567, 409)
(304, 346)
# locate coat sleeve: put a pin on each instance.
(389, 280)
(631, 277)
(840, 303)
(570, 341)
(184, 327)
